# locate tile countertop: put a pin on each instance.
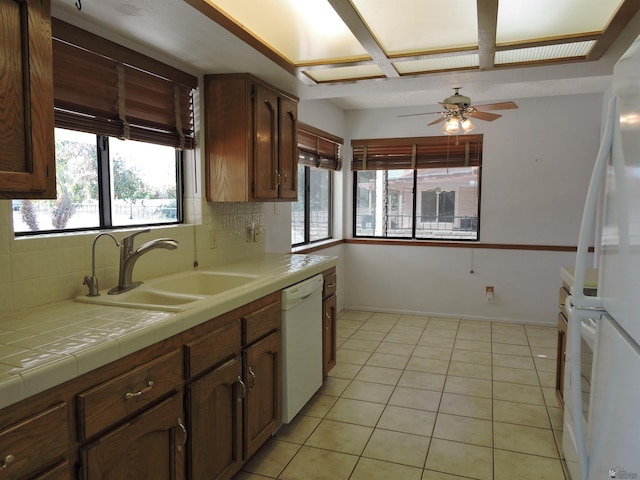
(43, 347)
(567, 274)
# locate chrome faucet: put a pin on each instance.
(92, 281)
(129, 257)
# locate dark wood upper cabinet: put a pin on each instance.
(251, 146)
(27, 151)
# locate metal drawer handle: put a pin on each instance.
(331, 285)
(184, 434)
(253, 379)
(244, 388)
(149, 386)
(5, 463)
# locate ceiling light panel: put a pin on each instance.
(303, 32)
(437, 64)
(520, 21)
(337, 74)
(549, 52)
(418, 26)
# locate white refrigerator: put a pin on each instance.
(601, 435)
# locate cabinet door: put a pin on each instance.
(560, 360)
(288, 149)
(27, 158)
(151, 445)
(215, 406)
(329, 333)
(35, 443)
(266, 176)
(59, 472)
(262, 404)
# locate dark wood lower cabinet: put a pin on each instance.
(215, 403)
(59, 472)
(561, 346)
(151, 445)
(197, 405)
(329, 333)
(262, 403)
(234, 402)
(329, 319)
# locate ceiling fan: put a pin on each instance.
(458, 109)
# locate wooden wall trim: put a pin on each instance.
(419, 243)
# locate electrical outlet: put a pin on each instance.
(489, 293)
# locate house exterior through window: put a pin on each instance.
(421, 188)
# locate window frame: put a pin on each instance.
(307, 208)
(321, 150)
(415, 154)
(105, 215)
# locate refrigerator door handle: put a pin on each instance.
(590, 207)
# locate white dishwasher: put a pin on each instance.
(301, 344)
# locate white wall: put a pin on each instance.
(536, 168)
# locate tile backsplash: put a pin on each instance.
(37, 270)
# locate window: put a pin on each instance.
(105, 182)
(122, 122)
(319, 156)
(418, 188)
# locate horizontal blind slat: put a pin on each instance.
(86, 95)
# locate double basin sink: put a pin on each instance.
(177, 292)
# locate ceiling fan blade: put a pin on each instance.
(442, 119)
(497, 106)
(417, 114)
(489, 117)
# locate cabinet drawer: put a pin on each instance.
(564, 293)
(213, 348)
(261, 322)
(106, 404)
(39, 441)
(330, 285)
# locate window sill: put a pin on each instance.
(313, 247)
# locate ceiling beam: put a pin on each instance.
(487, 26)
(622, 17)
(352, 19)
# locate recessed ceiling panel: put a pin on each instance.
(408, 26)
(437, 64)
(548, 52)
(302, 31)
(337, 74)
(520, 21)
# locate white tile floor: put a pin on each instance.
(424, 398)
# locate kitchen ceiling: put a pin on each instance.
(377, 53)
(344, 40)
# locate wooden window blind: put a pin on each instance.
(317, 148)
(417, 152)
(103, 88)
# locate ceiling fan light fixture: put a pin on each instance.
(466, 124)
(451, 126)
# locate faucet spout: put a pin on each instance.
(92, 281)
(129, 257)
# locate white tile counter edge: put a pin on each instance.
(567, 275)
(44, 347)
